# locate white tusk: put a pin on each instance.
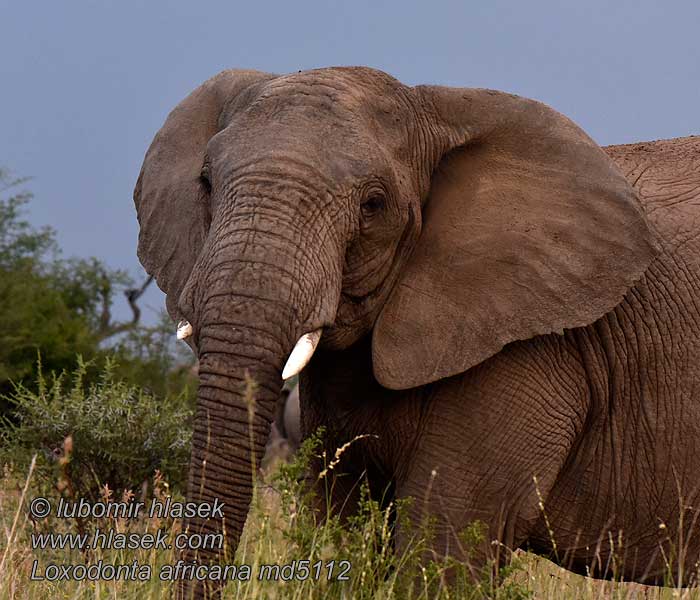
(302, 353)
(184, 330)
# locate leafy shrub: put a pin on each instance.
(119, 434)
(35, 316)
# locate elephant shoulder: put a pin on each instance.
(635, 160)
(666, 175)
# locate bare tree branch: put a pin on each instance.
(109, 329)
(132, 295)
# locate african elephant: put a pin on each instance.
(462, 273)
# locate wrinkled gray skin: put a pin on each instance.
(498, 304)
(285, 432)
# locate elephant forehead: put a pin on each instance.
(337, 97)
(309, 151)
(292, 162)
(344, 124)
(353, 85)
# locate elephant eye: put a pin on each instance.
(204, 177)
(372, 206)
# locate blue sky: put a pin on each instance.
(86, 84)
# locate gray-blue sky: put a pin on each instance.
(86, 84)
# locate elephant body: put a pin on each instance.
(616, 455)
(509, 312)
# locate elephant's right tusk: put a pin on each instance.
(184, 330)
(301, 354)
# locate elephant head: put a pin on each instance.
(340, 202)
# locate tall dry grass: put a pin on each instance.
(281, 528)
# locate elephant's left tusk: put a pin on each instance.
(184, 330)
(301, 354)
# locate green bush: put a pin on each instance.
(118, 434)
(35, 316)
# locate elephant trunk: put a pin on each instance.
(239, 386)
(254, 305)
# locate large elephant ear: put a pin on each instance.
(169, 196)
(528, 229)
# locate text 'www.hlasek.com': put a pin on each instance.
(85, 543)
